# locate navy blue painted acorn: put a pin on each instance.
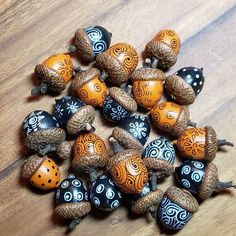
(104, 194)
(177, 208)
(72, 201)
(185, 85)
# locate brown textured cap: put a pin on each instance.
(183, 198)
(211, 146)
(31, 165)
(147, 74)
(143, 204)
(64, 150)
(179, 90)
(123, 99)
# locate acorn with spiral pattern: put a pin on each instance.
(177, 208)
(184, 86)
(72, 201)
(91, 41)
(53, 73)
(163, 49)
(200, 178)
(117, 63)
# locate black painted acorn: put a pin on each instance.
(91, 41)
(72, 200)
(74, 115)
(118, 105)
(185, 84)
(104, 194)
(200, 178)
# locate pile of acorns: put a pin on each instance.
(133, 172)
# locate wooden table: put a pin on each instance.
(33, 30)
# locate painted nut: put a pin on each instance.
(90, 88)
(147, 86)
(200, 178)
(163, 49)
(53, 74)
(118, 105)
(72, 200)
(91, 41)
(171, 117)
(185, 85)
(41, 172)
(177, 208)
(74, 115)
(117, 63)
(104, 194)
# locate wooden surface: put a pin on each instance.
(33, 30)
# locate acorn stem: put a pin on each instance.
(224, 142)
(153, 211)
(224, 185)
(72, 48)
(93, 175)
(42, 89)
(154, 62)
(116, 147)
(48, 148)
(153, 176)
(193, 124)
(89, 127)
(104, 75)
(73, 224)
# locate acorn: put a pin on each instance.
(184, 86)
(72, 200)
(90, 42)
(74, 115)
(163, 49)
(147, 86)
(90, 88)
(118, 105)
(200, 178)
(159, 157)
(41, 172)
(133, 132)
(171, 118)
(53, 74)
(117, 63)
(104, 194)
(177, 208)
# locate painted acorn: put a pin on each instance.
(74, 115)
(171, 118)
(200, 178)
(185, 85)
(117, 63)
(147, 86)
(133, 132)
(72, 201)
(41, 172)
(90, 88)
(163, 49)
(104, 194)
(177, 208)
(90, 42)
(53, 74)
(118, 105)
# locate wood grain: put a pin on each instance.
(33, 30)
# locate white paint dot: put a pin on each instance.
(198, 91)
(195, 84)
(197, 75)
(184, 69)
(195, 69)
(189, 76)
(200, 83)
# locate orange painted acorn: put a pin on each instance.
(53, 74)
(117, 63)
(171, 117)
(199, 143)
(42, 172)
(163, 49)
(147, 86)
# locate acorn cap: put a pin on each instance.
(64, 150)
(51, 77)
(73, 210)
(143, 204)
(165, 55)
(114, 68)
(183, 198)
(127, 140)
(147, 74)
(85, 115)
(31, 165)
(179, 90)
(38, 140)
(211, 145)
(84, 45)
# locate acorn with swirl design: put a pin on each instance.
(200, 178)
(72, 201)
(177, 208)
